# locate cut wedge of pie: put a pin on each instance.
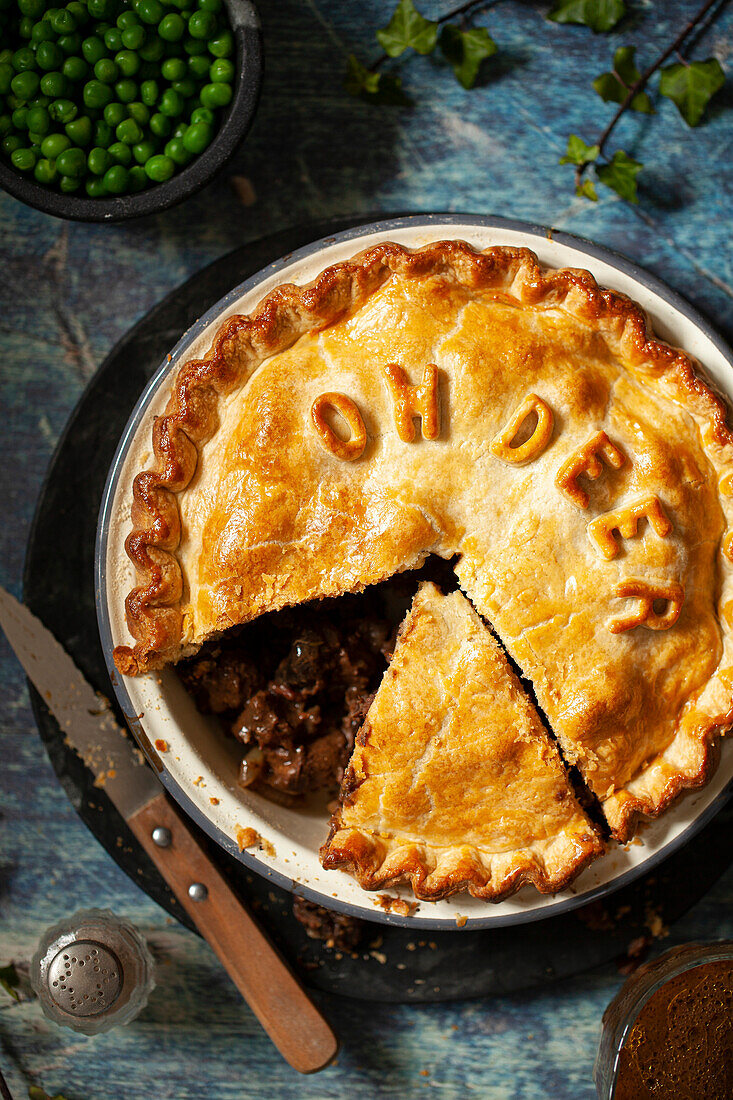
(454, 782)
(471, 405)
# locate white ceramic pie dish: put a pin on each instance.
(199, 767)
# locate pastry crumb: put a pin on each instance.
(161, 745)
(399, 906)
(250, 838)
(214, 801)
(460, 920)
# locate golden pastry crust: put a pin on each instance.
(248, 510)
(454, 783)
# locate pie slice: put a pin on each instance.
(473, 405)
(454, 783)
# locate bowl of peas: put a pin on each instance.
(114, 109)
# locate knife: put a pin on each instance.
(260, 973)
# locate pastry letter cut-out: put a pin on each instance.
(647, 593)
(540, 437)
(626, 521)
(348, 449)
(587, 460)
(412, 401)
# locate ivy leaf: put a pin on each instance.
(374, 87)
(587, 190)
(620, 175)
(465, 50)
(408, 29)
(692, 86)
(578, 152)
(10, 981)
(599, 15)
(613, 87)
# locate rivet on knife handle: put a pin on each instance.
(259, 972)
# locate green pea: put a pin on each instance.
(180, 130)
(172, 28)
(153, 49)
(222, 45)
(129, 132)
(194, 46)
(25, 27)
(23, 159)
(133, 36)
(93, 49)
(106, 70)
(7, 73)
(126, 90)
(25, 85)
(55, 144)
(186, 87)
(127, 19)
(103, 133)
(33, 8)
(63, 22)
(20, 118)
(113, 39)
(203, 114)
(71, 162)
(137, 178)
(12, 101)
(183, 5)
(176, 151)
(94, 188)
(127, 62)
(45, 171)
(222, 70)
(96, 94)
(80, 131)
(139, 112)
(198, 137)
(6, 57)
(143, 151)
(101, 29)
(55, 85)
(38, 120)
(149, 92)
(160, 168)
(114, 114)
(215, 95)
(99, 9)
(120, 153)
(42, 32)
(210, 5)
(75, 69)
(67, 184)
(10, 143)
(79, 11)
(98, 161)
(35, 138)
(149, 11)
(24, 59)
(6, 125)
(202, 24)
(160, 126)
(63, 110)
(171, 103)
(115, 180)
(173, 68)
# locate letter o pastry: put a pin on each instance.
(348, 449)
(532, 447)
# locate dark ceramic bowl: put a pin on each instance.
(237, 121)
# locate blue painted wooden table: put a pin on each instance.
(68, 291)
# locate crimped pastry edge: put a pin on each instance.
(244, 342)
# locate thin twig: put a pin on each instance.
(641, 83)
(463, 9)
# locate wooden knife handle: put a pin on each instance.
(256, 967)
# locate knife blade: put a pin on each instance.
(261, 974)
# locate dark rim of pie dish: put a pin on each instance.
(202, 169)
(171, 363)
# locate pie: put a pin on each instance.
(454, 782)
(472, 405)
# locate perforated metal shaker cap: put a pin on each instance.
(92, 971)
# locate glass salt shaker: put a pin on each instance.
(92, 971)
